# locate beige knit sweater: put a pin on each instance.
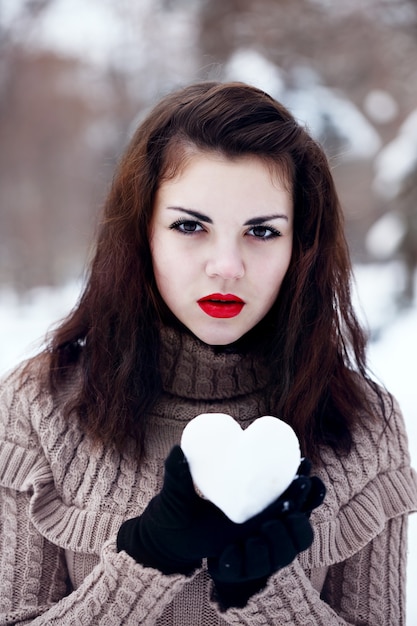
(61, 505)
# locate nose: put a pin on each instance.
(225, 261)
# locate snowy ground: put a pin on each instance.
(24, 321)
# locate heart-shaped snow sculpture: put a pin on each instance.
(240, 471)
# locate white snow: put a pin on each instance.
(26, 318)
(237, 469)
(79, 26)
(385, 235)
(250, 66)
(393, 353)
(397, 159)
(380, 106)
(322, 109)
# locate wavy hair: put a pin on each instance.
(316, 345)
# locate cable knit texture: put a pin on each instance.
(62, 503)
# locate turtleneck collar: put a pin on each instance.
(191, 369)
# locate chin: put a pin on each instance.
(218, 342)
(257, 336)
(217, 339)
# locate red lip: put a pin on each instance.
(221, 305)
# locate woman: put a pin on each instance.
(220, 283)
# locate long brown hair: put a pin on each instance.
(316, 345)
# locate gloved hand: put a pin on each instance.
(178, 528)
(283, 531)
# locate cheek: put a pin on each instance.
(164, 276)
(159, 265)
(170, 273)
(274, 274)
(166, 288)
(276, 266)
(161, 253)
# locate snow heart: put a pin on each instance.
(240, 471)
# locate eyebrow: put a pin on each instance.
(255, 221)
(196, 214)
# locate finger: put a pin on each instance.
(178, 483)
(294, 497)
(239, 563)
(304, 468)
(256, 560)
(315, 496)
(300, 531)
(175, 461)
(281, 547)
(229, 566)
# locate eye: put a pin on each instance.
(263, 232)
(188, 227)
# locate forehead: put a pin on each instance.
(213, 185)
(190, 159)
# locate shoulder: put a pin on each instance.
(21, 394)
(379, 445)
(21, 390)
(367, 487)
(28, 408)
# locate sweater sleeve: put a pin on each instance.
(367, 589)
(35, 586)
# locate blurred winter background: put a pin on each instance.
(76, 74)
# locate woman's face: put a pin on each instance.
(221, 242)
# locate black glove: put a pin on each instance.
(177, 528)
(283, 531)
